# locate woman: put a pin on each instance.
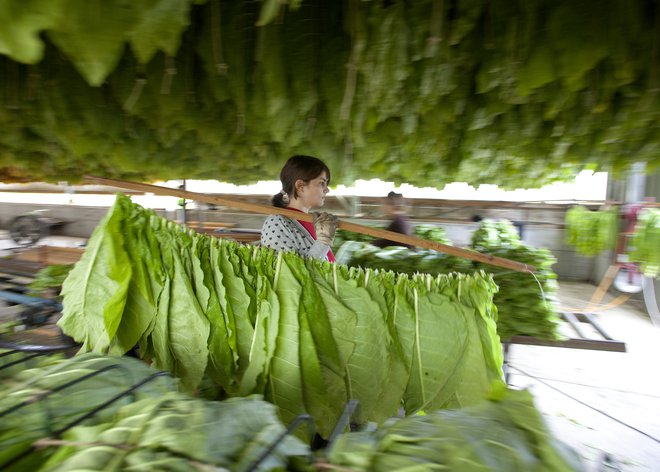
(305, 182)
(395, 208)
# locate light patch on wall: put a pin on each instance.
(587, 186)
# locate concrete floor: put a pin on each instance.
(600, 403)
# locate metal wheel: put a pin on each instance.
(651, 300)
(26, 230)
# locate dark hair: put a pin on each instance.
(298, 167)
(396, 200)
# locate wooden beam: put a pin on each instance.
(296, 215)
(573, 343)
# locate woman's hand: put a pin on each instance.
(325, 225)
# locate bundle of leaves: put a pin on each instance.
(432, 233)
(171, 89)
(342, 236)
(50, 278)
(394, 258)
(21, 426)
(401, 259)
(495, 234)
(306, 334)
(159, 429)
(13, 362)
(645, 242)
(424, 231)
(526, 303)
(591, 232)
(506, 432)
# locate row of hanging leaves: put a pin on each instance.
(425, 92)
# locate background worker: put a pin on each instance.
(395, 209)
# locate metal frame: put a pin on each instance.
(581, 341)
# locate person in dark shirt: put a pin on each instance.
(395, 208)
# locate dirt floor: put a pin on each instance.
(606, 405)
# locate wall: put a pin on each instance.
(542, 223)
(81, 220)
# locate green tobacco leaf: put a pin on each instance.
(285, 387)
(436, 321)
(259, 358)
(159, 339)
(230, 434)
(644, 246)
(150, 254)
(320, 397)
(163, 357)
(222, 342)
(324, 389)
(94, 35)
(188, 327)
(22, 21)
(404, 321)
(505, 432)
(198, 254)
(398, 320)
(537, 71)
(265, 324)
(342, 319)
(95, 290)
(269, 11)
(141, 301)
(161, 429)
(590, 232)
(275, 460)
(473, 378)
(368, 367)
(20, 429)
(554, 81)
(237, 304)
(50, 277)
(159, 27)
(310, 335)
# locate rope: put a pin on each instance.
(586, 404)
(545, 300)
(618, 390)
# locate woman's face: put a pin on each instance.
(312, 193)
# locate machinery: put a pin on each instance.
(26, 230)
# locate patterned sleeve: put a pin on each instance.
(280, 233)
(276, 234)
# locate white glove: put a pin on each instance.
(325, 225)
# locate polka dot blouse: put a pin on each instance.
(284, 234)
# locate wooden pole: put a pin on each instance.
(347, 225)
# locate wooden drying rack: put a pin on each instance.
(346, 225)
